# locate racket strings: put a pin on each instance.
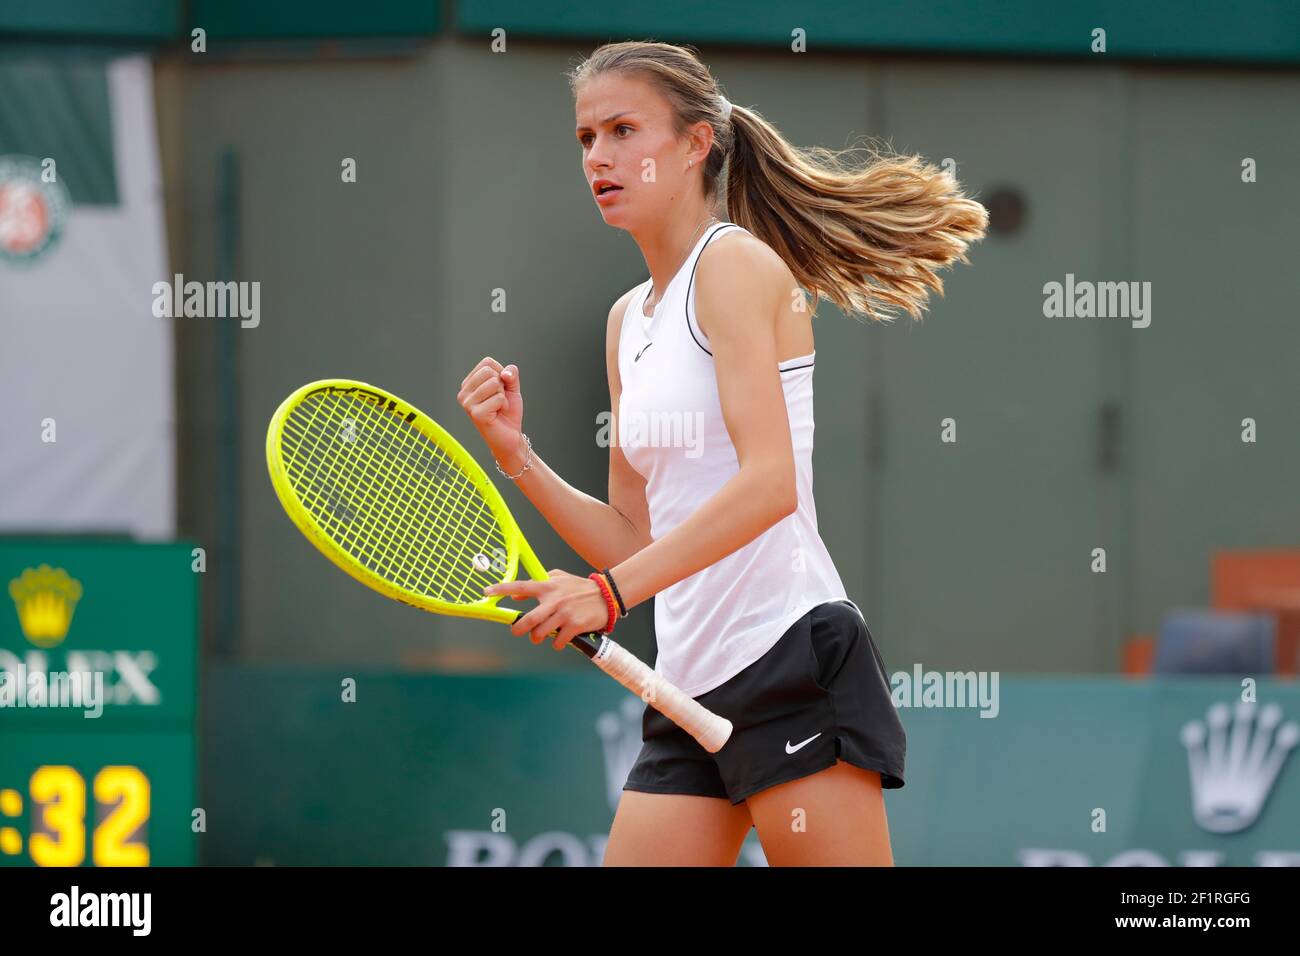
(325, 496)
(417, 555)
(382, 550)
(402, 508)
(468, 522)
(391, 497)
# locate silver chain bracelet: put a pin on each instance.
(528, 462)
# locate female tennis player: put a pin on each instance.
(711, 511)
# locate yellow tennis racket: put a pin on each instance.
(391, 498)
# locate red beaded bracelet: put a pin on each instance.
(609, 601)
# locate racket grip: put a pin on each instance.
(708, 728)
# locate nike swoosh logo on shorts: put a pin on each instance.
(794, 748)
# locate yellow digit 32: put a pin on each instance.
(59, 817)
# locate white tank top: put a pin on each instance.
(715, 623)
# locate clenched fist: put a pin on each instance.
(490, 396)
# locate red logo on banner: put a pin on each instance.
(33, 208)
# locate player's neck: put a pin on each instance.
(666, 251)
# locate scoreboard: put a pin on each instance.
(98, 661)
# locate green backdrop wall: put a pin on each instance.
(1251, 30)
(974, 554)
(431, 771)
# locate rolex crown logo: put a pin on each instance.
(45, 598)
(1235, 756)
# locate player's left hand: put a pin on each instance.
(566, 603)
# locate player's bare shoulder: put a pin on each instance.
(739, 261)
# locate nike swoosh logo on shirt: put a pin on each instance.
(642, 352)
(794, 748)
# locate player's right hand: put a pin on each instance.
(490, 396)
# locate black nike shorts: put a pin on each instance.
(821, 694)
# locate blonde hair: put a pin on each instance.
(867, 238)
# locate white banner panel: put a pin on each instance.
(86, 370)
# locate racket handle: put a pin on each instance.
(708, 728)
